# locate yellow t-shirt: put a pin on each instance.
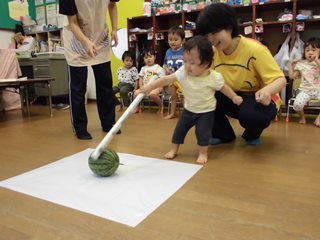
(199, 91)
(250, 67)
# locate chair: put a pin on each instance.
(167, 98)
(145, 101)
(312, 104)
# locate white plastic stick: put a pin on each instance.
(113, 131)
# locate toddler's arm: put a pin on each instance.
(140, 82)
(293, 74)
(136, 85)
(166, 69)
(160, 82)
(226, 90)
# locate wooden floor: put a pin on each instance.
(266, 192)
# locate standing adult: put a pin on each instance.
(248, 68)
(87, 43)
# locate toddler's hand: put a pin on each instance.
(263, 97)
(294, 62)
(237, 100)
(145, 89)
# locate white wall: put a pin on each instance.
(5, 38)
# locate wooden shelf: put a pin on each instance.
(269, 12)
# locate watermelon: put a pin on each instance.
(106, 164)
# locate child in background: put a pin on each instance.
(127, 78)
(309, 71)
(173, 60)
(199, 84)
(150, 69)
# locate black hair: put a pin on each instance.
(148, 51)
(127, 54)
(178, 31)
(203, 46)
(19, 29)
(217, 17)
(313, 42)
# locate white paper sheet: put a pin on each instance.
(139, 186)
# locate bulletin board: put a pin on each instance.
(8, 23)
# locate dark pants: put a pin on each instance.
(104, 94)
(203, 123)
(124, 89)
(253, 117)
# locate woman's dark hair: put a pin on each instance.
(217, 17)
(203, 46)
(178, 31)
(128, 54)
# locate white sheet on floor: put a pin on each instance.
(139, 186)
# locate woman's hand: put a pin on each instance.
(263, 97)
(91, 48)
(114, 38)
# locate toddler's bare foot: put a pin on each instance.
(160, 111)
(119, 108)
(137, 110)
(171, 154)
(202, 158)
(317, 121)
(302, 121)
(170, 116)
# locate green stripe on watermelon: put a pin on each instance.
(106, 164)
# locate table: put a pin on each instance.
(22, 84)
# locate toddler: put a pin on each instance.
(127, 78)
(199, 84)
(308, 69)
(150, 69)
(172, 61)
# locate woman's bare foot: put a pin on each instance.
(171, 154)
(317, 121)
(302, 121)
(202, 158)
(170, 116)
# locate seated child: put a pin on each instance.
(149, 70)
(199, 84)
(309, 71)
(127, 78)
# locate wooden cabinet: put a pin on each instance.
(157, 26)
